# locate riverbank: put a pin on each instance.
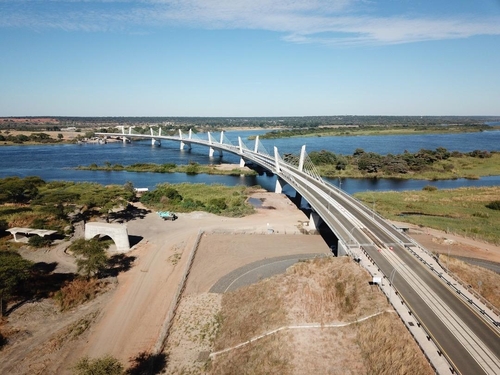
(453, 168)
(357, 130)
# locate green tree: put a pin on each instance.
(60, 136)
(106, 365)
(19, 190)
(14, 269)
(91, 256)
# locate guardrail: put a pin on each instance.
(420, 324)
(459, 292)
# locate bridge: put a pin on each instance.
(464, 333)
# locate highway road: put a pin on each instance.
(471, 344)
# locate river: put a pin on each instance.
(57, 162)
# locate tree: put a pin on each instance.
(106, 365)
(60, 136)
(91, 256)
(14, 269)
(19, 190)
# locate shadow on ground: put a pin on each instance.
(148, 364)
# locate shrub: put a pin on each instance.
(39, 241)
(106, 365)
(495, 205)
(77, 292)
(429, 188)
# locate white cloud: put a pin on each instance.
(344, 22)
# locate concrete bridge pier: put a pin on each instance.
(211, 150)
(314, 221)
(154, 141)
(280, 183)
(240, 145)
(182, 143)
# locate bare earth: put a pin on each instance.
(128, 319)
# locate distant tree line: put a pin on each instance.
(371, 162)
(236, 122)
(33, 137)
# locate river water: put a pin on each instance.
(57, 162)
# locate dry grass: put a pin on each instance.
(323, 290)
(251, 311)
(484, 281)
(79, 291)
(270, 355)
(387, 348)
(71, 332)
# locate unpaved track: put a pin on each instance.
(132, 320)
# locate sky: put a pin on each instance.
(238, 58)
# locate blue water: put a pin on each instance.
(57, 162)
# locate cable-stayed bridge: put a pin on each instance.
(464, 332)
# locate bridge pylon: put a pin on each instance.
(182, 143)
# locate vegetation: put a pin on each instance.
(14, 270)
(307, 122)
(322, 291)
(31, 202)
(463, 211)
(375, 129)
(78, 291)
(106, 365)
(191, 168)
(436, 164)
(91, 256)
(216, 199)
(484, 281)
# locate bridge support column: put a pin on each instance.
(341, 250)
(256, 147)
(314, 221)
(182, 144)
(298, 199)
(279, 185)
(240, 144)
(125, 140)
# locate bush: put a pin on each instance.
(77, 292)
(39, 241)
(106, 365)
(429, 188)
(495, 205)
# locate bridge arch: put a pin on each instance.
(117, 232)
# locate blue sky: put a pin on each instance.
(249, 58)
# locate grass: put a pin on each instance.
(192, 168)
(323, 290)
(484, 281)
(462, 211)
(373, 130)
(219, 199)
(78, 292)
(455, 167)
(387, 348)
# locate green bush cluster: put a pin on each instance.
(216, 199)
(495, 205)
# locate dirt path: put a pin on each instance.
(132, 320)
(441, 242)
